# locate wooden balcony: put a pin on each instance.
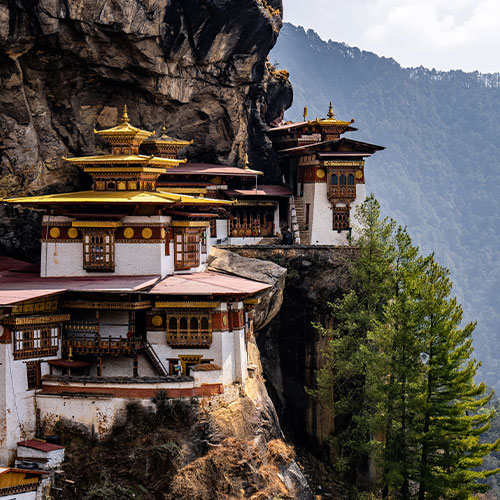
(239, 230)
(342, 192)
(184, 338)
(101, 346)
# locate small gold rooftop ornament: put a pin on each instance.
(305, 113)
(331, 114)
(247, 163)
(125, 115)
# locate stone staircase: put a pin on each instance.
(305, 238)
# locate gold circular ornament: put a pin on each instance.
(55, 232)
(224, 319)
(163, 233)
(359, 174)
(72, 232)
(320, 173)
(157, 320)
(128, 233)
(147, 233)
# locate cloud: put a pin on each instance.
(445, 34)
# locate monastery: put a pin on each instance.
(122, 305)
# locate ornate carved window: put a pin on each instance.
(35, 341)
(34, 374)
(340, 218)
(189, 329)
(187, 248)
(99, 250)
(342, 185)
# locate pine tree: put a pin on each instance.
(454, 406)
(348, 356)
(398, 347)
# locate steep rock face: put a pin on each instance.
(197, 65)
(290, 347)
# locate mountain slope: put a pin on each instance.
(440, 173)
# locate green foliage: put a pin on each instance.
(438, 175)
(398, 373)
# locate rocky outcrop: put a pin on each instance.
(224, 261)
(199, 66)
(290, 347)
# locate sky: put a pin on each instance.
(441, 34)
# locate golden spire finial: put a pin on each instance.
(331, 114)
(163, 128)
(125, 114)
(247, 163)
(305, 113)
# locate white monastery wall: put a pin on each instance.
(117, 366)
(98, 412)
(19, 417)
(113, 323)
(277, 229)
(29, 495)
(321, 217)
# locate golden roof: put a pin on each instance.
(166, 139)
(331, 120)
(143, 160)
(117, 197)
(124, 132)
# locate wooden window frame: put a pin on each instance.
(213, 228)
(342, 191)
(340, 218)
(203, 238)
(34, 375)
(186, 337)
(36, 341)
(186, 248)
(98, 255)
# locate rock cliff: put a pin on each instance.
(199, 66)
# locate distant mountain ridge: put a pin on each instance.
(440, 173)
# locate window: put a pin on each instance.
(342, 186)
(203, 241)
(34, 375)
(340, 218)
(342, 180)
(36, 341)
(213, 228)
(189, 329)
(350, 180)
(99, 250)
(334, 180)
(187, 248)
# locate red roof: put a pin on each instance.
(38, 444)
(287, 126)
(207, 283)
(209, 169)
(271, 191)
(17, 287)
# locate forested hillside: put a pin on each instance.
(440, 173)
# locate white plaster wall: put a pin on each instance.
(97, 412)
(113, 323)
(144, 366)
(310, 197)
(320, 219)
(117, 367)
(20, 407)
(228, 356)
(131, 259)
(240, 358)
(158, 341)
(209, 377)
(54, 458)
(277, 229)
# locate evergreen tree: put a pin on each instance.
(454, 406)
(348, 356)
(399, 367)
